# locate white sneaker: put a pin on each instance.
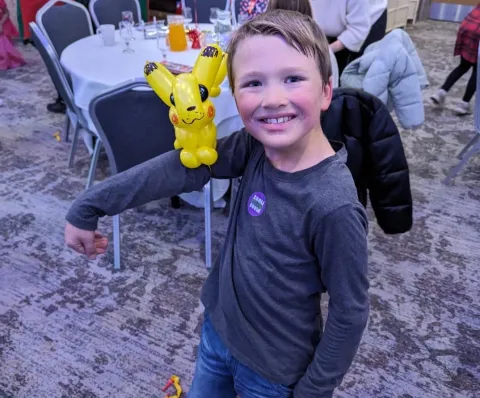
(463, 108)
(439, 97)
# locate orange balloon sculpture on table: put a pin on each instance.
(191, 110)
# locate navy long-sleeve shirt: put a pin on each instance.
(291, 237)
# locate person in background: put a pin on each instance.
(346, 24)
(467, 47)
(302, 6)
(378, 19)
(10, 57)
(251, 8)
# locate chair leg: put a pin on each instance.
(467, 147)
(116, 242)
(93, 163)
(453, 173)
(66, 129)
(207, 189)
(71, 156)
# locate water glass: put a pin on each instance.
(126, 33)
(162, 43)
(187, 15)
(213, 15)
(242, 19)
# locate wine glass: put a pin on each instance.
(213, 20)
(187, 15)
(128, 16)
(126, 33)
(162, 40)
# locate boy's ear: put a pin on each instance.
(327, 94)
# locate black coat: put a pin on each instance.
(376, 157)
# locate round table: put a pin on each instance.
(94, 68)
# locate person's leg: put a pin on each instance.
(250, 384)
(213, 377)
(58, 106)
(439, 97)
(456, 74)
(464, 107)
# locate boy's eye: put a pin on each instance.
(253, 83)
(294, 79)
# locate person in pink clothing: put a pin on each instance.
(10, 57)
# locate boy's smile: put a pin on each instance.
(279, 94)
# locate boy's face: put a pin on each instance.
(279, 92)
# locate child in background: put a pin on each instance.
(467, 47)
(297, 229)
(10, 57)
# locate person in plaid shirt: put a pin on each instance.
(467, 47)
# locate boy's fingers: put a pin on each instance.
(90, 249)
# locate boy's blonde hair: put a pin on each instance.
(298, 30)
(302, 6)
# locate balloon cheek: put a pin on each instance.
(174, 119)
(211, 111)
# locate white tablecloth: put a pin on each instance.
(94, 68)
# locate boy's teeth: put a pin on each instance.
(278, 120)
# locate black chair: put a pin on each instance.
(50, 58)
(63, 23)
(110, 11)
(133, 124)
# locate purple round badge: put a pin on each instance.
(256, 204)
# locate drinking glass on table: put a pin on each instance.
(126, 33)
(128, 16)
(176, 33)
(187, 15)
(242, 19)
(162, 43)
(213, 19)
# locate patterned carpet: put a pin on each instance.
(72, 328)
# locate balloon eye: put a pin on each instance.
(203, 92)
(172, 100)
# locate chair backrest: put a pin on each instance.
(64, 22)
(203, 10)
(50, 58)
(133, 124)
(110, 11)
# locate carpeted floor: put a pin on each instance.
(72, 328)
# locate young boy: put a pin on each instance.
(297, 229)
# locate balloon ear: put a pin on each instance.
(207, 64)
(222, 72)
(160, 79)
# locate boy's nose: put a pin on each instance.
(191, 108)
(274, 97)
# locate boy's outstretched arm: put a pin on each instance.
(161, 177)
(341, 246)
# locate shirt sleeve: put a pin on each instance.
(161, 177)
(358, 25)
(341, 247)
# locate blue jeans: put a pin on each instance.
(219, 375)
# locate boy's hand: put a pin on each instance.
(90, 243)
